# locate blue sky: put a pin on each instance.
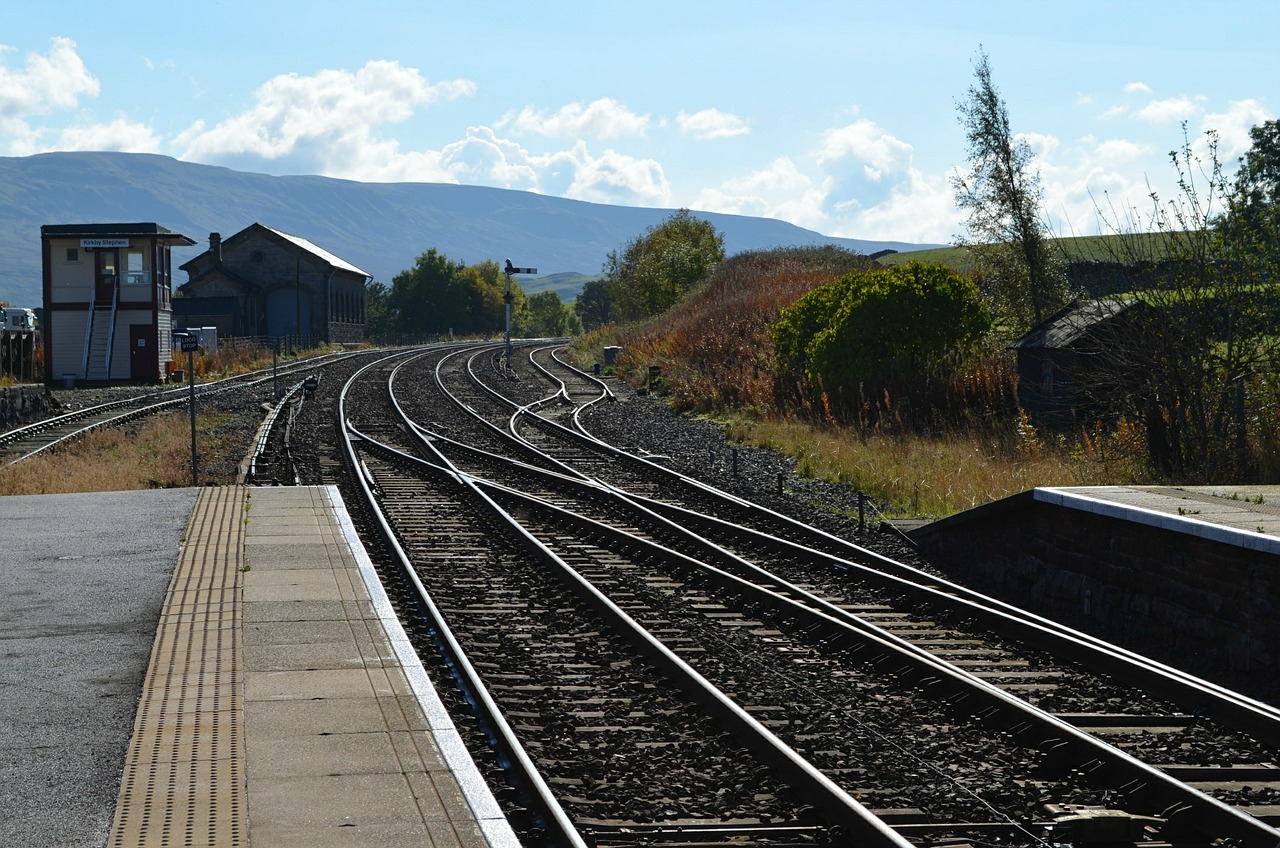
(836, 116)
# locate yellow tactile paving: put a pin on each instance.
(276, 709)
(184, 781)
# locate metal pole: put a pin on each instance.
(507, 335)
(191, 381)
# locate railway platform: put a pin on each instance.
(279, 703)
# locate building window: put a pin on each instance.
(73, 254)
(135, 270)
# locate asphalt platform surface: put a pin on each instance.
(82, 583)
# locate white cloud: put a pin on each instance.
(119, 135)
(612, 177)
(1136, 88)
(919, 208)
(46, 83)
(326, 121)
(1170, 109)
(712, 123)
(1120, 151)
(603, 118)
(1233, 125)
(779, 190)
(878, 152)
(1041, 144)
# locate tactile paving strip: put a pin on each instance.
(184, 782)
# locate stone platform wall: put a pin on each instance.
(23, 404)
(1203, 606)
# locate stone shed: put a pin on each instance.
(270, 285)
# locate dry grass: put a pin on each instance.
(716, 357)
(155, 454)
(936, 476)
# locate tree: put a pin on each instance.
(1251, 225)
(1001, 195)
(593, 304)
(546, 315)
(481, 287)
(377, 316)
(655, 270)
(417, 295)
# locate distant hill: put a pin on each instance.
(380, 227)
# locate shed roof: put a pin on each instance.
(335, 261)
(1067, 325)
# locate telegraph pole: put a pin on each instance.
(508, 297)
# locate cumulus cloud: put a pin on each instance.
(779, 190)
(119, 135)
(1136, 88)
(876, 151)
(1170, 109)
(602, 119)
(323, 120)
(46, 83)
(611, 177)
(1232, 126)
(43, 85)
(858, 183)
(711, 123)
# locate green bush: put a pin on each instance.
(899, 329)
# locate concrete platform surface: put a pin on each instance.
(1245, 516)
(262, 691)
(82, 584)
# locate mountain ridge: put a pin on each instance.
(380, 227)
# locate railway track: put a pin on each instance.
(651, 651)
(48, 434)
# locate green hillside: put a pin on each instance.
(1125, 248)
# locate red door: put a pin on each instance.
(144, 362)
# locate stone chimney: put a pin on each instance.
(215, 247)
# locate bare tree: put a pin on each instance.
(1194, 363)
(1001, 195)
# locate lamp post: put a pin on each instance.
(509, 270)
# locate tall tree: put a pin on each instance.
(546, 315)
(1251, 225)
(656, 269)
(593, 304)
(1001, 195)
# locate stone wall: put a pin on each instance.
(1204, 606)
(23, 404)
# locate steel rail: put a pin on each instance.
(132, 411)
(520, 765)
(1137, 772)
(1060, 740)
(1193, 693)
(843, 809)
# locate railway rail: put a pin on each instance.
(30, 440)
(820, 693)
